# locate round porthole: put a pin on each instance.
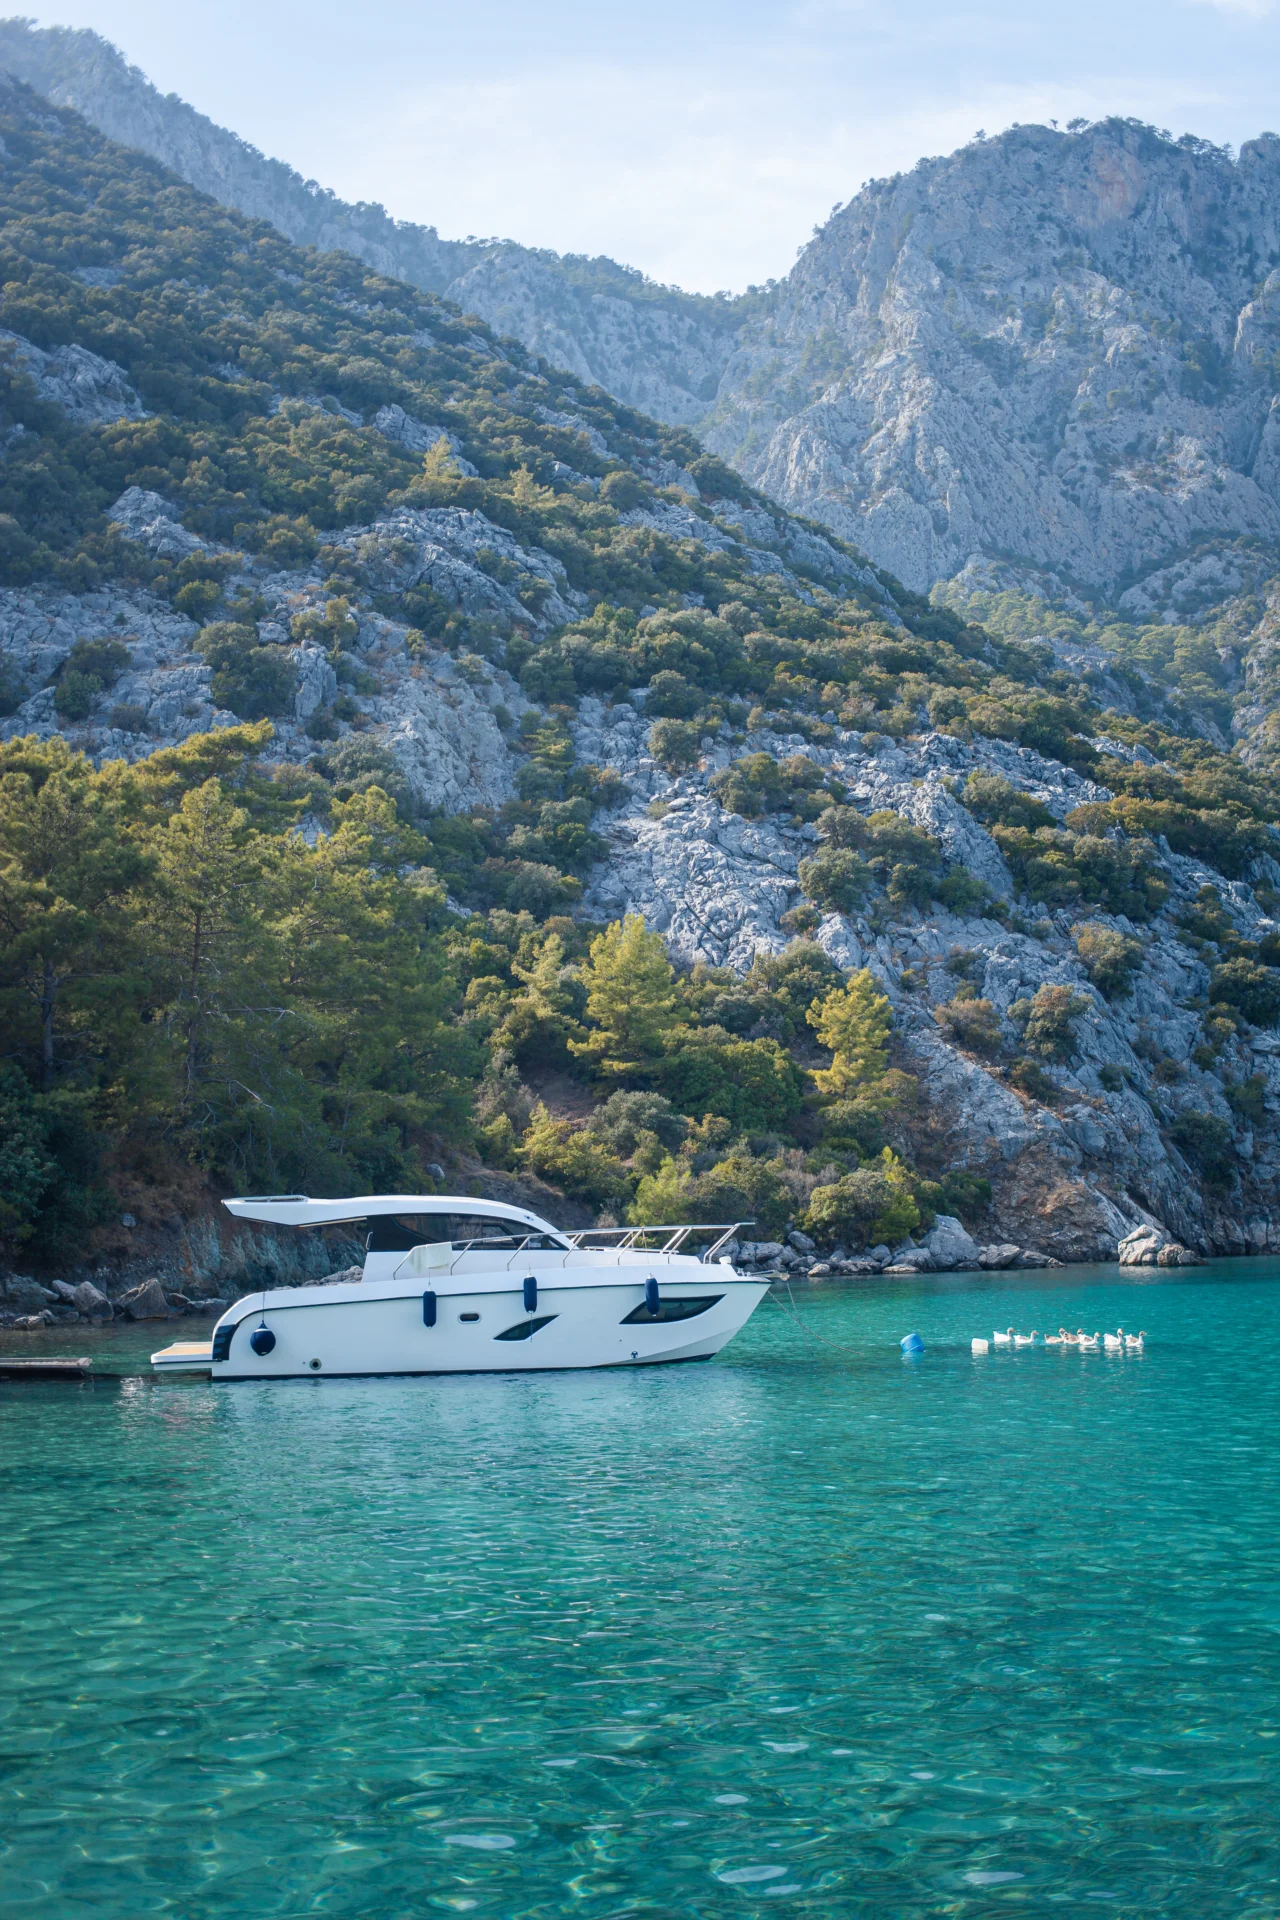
(314, 1365)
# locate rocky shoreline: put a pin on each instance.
(29, 1305)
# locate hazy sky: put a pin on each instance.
(700, 140)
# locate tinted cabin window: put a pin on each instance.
(401, 1232)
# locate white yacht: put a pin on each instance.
(455, 1285)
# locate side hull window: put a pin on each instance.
(668, 1310)
(525, 1329)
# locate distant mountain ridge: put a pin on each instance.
(657, 349)
(1059, 350)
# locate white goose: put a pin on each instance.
(1087, 1342)
(1114, 1342)
(1055, 1339)
(1004, 1339)
(1134, 1342)
(1025, 1339)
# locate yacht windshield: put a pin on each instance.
(401, 1232)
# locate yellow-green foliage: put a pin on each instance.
(572, 1158)
(1110, 957)
(853, 1023)
(632, 1003)
(873, 1203)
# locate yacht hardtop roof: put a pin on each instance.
(298, 1210)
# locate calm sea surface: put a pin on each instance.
(811, 1630)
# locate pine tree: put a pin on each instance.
(853, 1022)
(67, 867)
(632, 1003)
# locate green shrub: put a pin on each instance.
(671, 697)
(836, 879)
(1246, 1098)
(27, 1169)
(966, 1196)
(1048, 1021)
(130, 719)
(962, 892)
(91, 667)
(1205, 1141)
(1110, 1078)
(526, 886)
(75, 693)
(12, 690)
(1215, 834)
(621, 490)
(674, 745)
(625, 1117)
(872, 1204)
(256, 683)
(997, 802)
(1252, 990)
(1029, 1077)
(1068, 869)
(737, 1187)
(905, 859)
(750, 787)
(787, 984)
(971, 1023)
(753, 1083)
(106, 660)
(1110, 958)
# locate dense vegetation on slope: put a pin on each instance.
(216, 966)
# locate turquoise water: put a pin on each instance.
(811, 1630)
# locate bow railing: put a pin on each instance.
(657, 1239)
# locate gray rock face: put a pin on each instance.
(91, 391)
(416, 436)
(437, 715)
(147, 1302)
(950, 1245)
(93, 1304)
(1010, 362)
(1071, 1178)
(155, 523)
(22, 1294)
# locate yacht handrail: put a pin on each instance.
(629, 1237)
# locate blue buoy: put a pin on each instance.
(262, 1340)
(652, 1298)
(531, 1295)
(912, 1343)
(428, 1308)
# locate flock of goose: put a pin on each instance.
(1117, 1342)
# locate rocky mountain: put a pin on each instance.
(598, 675)
(1054, 349)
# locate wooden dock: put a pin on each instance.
(44, 1368)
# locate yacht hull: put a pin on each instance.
(466, 1325)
